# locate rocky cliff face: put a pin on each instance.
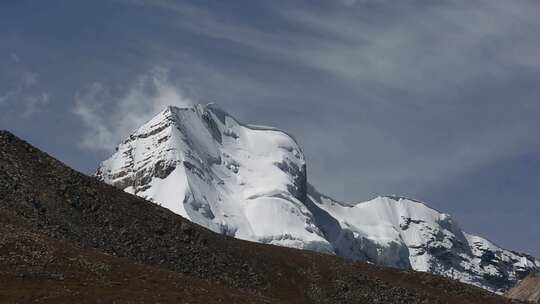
(251, 183)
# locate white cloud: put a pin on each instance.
(25, 97)
(5, 97)
(108, 118)
(428, 48)
(15, 57)
(34, 103)
(28, 79)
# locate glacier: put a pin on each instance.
(250, 182)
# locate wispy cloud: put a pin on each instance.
(25, 96)
(34, 103)
(15, 57)
(409, 64)
(108, 116)
(425, 51)
(401, 46)
(428, 48)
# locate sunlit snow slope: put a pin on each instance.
(250, 182)
(244, 181)
(404, 233)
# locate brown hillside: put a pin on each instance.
(66, 237)
(527, 290)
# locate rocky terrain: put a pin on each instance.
(66, 237)
(251, 182)
(39, 269)
(527, 290)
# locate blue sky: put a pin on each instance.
(433, 100)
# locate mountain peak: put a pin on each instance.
(250, 182)
(398, 198)
(204, 165)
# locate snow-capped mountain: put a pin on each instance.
(405, 233)
(244, 181)
(250, 182)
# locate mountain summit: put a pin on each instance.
(243, 181)
(250, 182)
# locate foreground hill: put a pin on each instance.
(527, 290)
(66, 237)
(35, 268)
(251, 182)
